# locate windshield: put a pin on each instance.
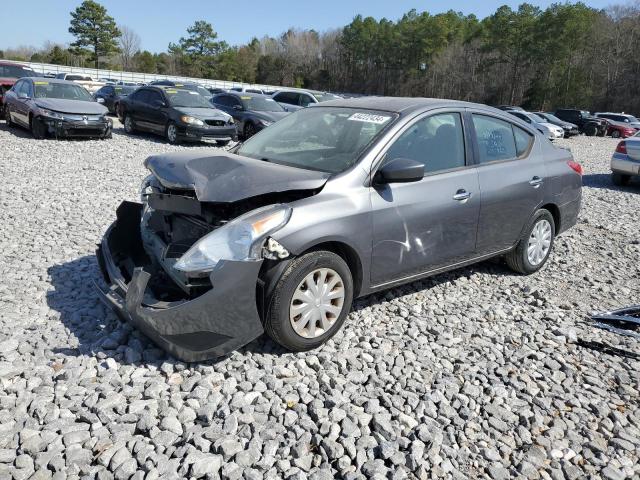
(261, 104)
(186, 98)
(124, 91)
(67, 91)
(325, 97)
(552, 118)
(15, 71)
(326, 139)
(537, 118)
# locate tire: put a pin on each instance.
(7, 117)
(38, 130)
(108, 135)
(519, 259)
(222, 143)
(590, 130)
(620, 180)
(129, 126)
(171, 132)
(249, 130)
(278, 321)
(615, 134)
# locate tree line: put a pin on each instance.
(568, 54)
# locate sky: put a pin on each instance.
(159, 22)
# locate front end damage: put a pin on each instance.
(191, 320)
(194, 315)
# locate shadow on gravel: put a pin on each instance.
(150, 137)
(100, 332)
(608, 349)
(16, 131)
(603, 180)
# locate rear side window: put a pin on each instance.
(495, 139)
(287, 97)
(436, 141)
(523, 140)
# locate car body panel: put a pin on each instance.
(232, 104)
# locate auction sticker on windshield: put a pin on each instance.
(369, 118)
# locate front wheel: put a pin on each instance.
(620, 179)
(171, 132)
(534, 246)
(7, 116)
(591, 130)
(310, 301)
(129, 126)
(249, 130)
(38, 129)
(615, 134)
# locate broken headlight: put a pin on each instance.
(238, 240)
(146, 187)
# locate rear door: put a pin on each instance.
(511, 180)
(155, 111)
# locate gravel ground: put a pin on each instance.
(477, 373)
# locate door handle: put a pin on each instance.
(462, 195)
(535, 182)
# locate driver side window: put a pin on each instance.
(436, 141)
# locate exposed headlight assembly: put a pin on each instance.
(191, 120)
(50, 114)
(239, 240)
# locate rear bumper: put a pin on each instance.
(195, 134)
(211, 325)
(621, 163)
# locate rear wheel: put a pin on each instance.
(171, 132)
(311, 301)
(615, 134)
(38, 129)
(620, 179)
(534, 246)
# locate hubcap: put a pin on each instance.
(171, 133)
(317, 303)
(539, 242)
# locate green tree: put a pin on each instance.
(198, 50)
(145, 62)
(94, 29)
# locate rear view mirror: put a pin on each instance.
(400, 170)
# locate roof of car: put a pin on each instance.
(402, 104)
(8, 62)
(242, 94)
(49, 80)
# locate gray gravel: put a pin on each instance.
(472, 374)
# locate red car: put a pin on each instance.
(620, 130)
(9, 73)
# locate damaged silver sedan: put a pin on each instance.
(331, 203)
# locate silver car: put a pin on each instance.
(331, 203)
(625, 162)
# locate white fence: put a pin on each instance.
(97, 74)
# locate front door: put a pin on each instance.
(425, 225)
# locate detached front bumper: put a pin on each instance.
(196, 134)
(211, 325)
(77, 128)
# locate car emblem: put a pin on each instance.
(85, 119)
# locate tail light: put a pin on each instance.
(575, 166)
(622, 148)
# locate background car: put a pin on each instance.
(246, 90)
(292, 100)
(56, 107)
(625, 162)
(252, 111)
(176, 113)
(621, 118)
(569, 128)
(9, 74)
(549, 130)
(587, 123)
(110, 96)
(184, 86)
(86, 81)
(620, 130)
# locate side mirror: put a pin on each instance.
(400, 170)
(100, 100)
(238, 107)
(23, 96)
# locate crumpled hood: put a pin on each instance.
(71, 106)
(228, 178)
(204, 113)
